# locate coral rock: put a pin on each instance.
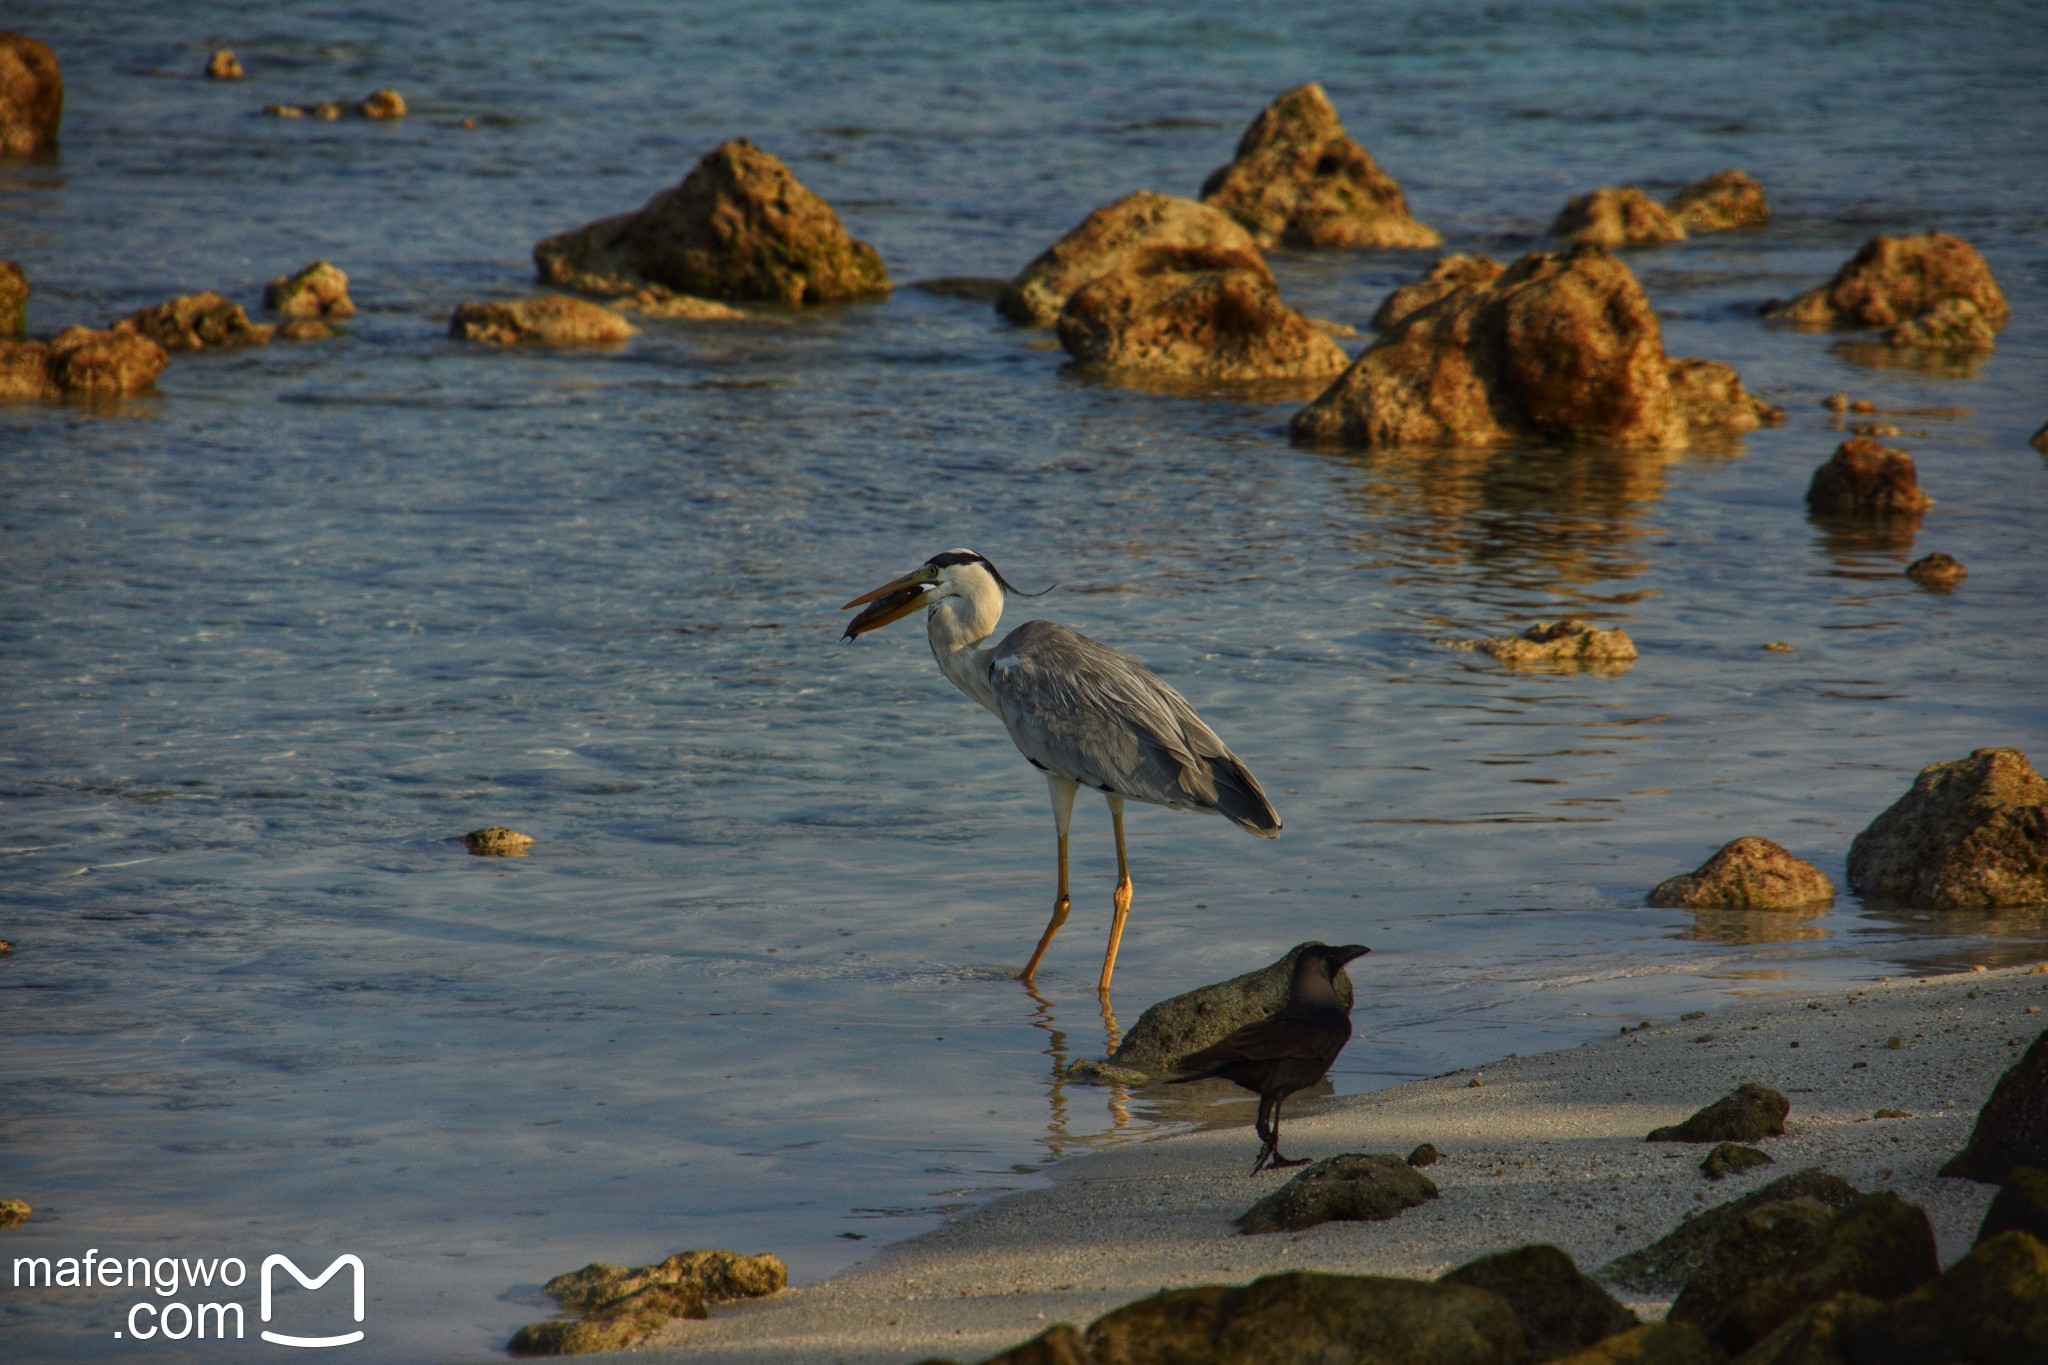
(385, 103)
(497, 842)
(550, 320)
(2012, 1127)
(13, 302)
(1972, 834)
(1712, 398)
(1865, 479)
(739, 226)
(104, 363)
(318, 290)
(1354, 1188)
(1747, 874)
(31, 95)
(1188, 315)
(1750, 1112)
(1616, 217)
(1299, 180)
(1951, 325)
(1937, 572)
(193, 322)
(1895, 278)
(1726, 199)
(14, 1212)
(1446, 277)
(1570, 644)
(1560, 1309)
(224, 65)
(1112, 237)
(617, 1325)
(666, 305)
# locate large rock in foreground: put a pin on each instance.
(2012, 1127)
(1747, 874)
(739, 226)
(1972, 834)
(1562, 346)
(1446, 277)
(550, 320)
(1893, 279)
(1190, 315)
(196, 322)
(31, 95)
(1117, 235)
(1189, 1022)
(1560, 1309)
(1300, 180)
(1672, 1259)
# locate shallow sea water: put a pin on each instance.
(274, 636)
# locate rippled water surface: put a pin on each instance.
(273, 636)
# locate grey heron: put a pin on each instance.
(1080, 712)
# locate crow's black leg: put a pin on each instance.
(1269, 1135)
(1273, 1141)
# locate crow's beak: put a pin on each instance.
(1340, 956)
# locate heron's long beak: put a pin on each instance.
(892, 601)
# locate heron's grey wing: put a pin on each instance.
(1084, 711)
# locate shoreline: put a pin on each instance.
(1544, 1148)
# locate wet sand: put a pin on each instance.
(1543, 1148)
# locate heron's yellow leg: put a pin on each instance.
(1123, 893)
(1063, 790)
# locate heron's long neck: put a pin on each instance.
(956, 628)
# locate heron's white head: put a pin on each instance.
(955, 573)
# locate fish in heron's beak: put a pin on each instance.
(891, 602)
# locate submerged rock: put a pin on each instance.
(385, 103)
(1747, 874)
(2012, 1127)
(13, 302)
(1193, 315)
(1893, 279)
(1732, 1158)
(1446, 277)
(223, 65)
(1191, 1021)
(31, 95)
(318, 290)
(1865, 479)
(193, 322)
(739, 226)
(1671, 1260)
(1724, 200)
(1616, 217)
(14, 1212)
(2039, 440)
(1570, 644)
(1712, 398)
(497, 842)
(306, 329)
(1749, 1112)
(1300, 180)
(1560, 1309)
(1560, 346)
(1971, 834)
(550, 320)
(1354, 1188)
(665, 305)
(1937, 572)
(1951, 325)
(1303, 1316)
(1109, 239)
(2021, 1205)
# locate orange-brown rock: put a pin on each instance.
(1747, 874)
(318, 290)
(739, 226)
(13, 301)
(1971, 834)
(194, 322)
(1446, 277)
(1951, 325)
(1300, 180)
(1893, 279)
(550, 320)
(1726, 199)
(79, 360)
(1112, 237)
(31, 95)
(1938, 572)
(1617, 216)
(381, 104)
(1865, 479)
(1191, 315)
(1711, 396)
(1562, 345)
(223, 65)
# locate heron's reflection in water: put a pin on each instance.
(1059, 1132)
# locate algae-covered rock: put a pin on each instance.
(1569, 645)
(666, 305)
(2012, 1127)
(1446, 277)
(85, 361)
(1812, 1337)
(382, 104)
(1305, 1317)
(1667, 1263)
(1059, 1344)
(1749, 1112)
(1938, 572)
(1951, 325)
(13, 301)
(1424, 1155)
(1614, 217)
(1109, 239)
(1191, 1021)
(1880, 1246)
(1726, 199)
(623, 1306)
(1989, 1307)
(1711, 397)
(319, 289)
(192, 322)
(1732, 1158)
(739, 226)
(14, 1212)
(1653, 1343)
(616, 1325)
(1971, 834)
(1356, 1187)
(1747, 874)
(223, 65)
(1300, 180)
(497, 842)
(1762, 1242)
(1893, 279)
(31, 95)
(1865, 479)
(2021, 1205)
(550, 320)
(1560, 1309)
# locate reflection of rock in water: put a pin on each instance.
(1880, 355)
(1740, 927)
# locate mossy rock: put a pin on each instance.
(1750, 1112)
(2012, 1127)
(1355, 1187)
(614, 1327)
(1560, 1309)
(1765, 1241)
(2021, 1205)
(1669, 1261)
(1653, 1343)
(717, 1275)
(1880, 1246)
(1732, 1158)
(1991, 1306)
(1059, 1344)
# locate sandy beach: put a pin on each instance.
(1542, 1148)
